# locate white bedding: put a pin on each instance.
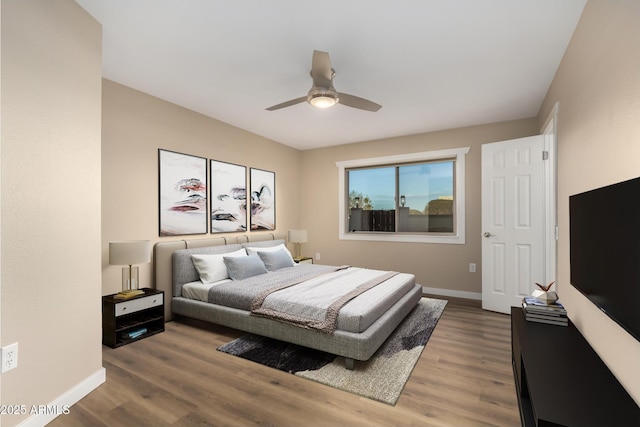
(198, 290)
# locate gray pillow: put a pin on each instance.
(275, 260)
(242, 267)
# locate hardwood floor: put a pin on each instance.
(177, 378)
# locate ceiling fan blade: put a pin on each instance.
(288, 103)
(321, 71)
(357, 102)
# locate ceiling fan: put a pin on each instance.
(322, 94)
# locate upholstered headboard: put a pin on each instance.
(163, 259)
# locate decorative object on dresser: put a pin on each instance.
(297, 237)
(536, 311)
(128, 253)
(124, 321)
(544, 294)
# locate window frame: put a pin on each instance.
(457, 237)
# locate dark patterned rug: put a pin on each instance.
(380, 378)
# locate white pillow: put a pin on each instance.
(256, 249)
(212, 268)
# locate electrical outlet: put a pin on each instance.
(9, 357)
(317, 256)
(472, 267)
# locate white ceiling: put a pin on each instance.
(431, 64)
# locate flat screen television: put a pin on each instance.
(605, 250)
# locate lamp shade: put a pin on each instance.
(297, 236)
(129, 252)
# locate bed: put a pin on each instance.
(372, 305)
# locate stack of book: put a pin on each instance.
(135, 334)
(541, 312)
(128, 294)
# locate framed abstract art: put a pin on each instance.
(183, 193)
(263, 200)
(228, 197)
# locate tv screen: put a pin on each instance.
(605, 250)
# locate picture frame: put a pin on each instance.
(182, 194)
(263, 200)
(228, 195)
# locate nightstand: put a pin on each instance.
(125, 321)
(303, 260)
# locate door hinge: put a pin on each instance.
(545, 155)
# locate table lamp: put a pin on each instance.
(129, 253)
(297, 237)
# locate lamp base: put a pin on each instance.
(130, 278)
(297, 245)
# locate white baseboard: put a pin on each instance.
(452, 293)
(44, 414)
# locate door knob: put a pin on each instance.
(487, 234)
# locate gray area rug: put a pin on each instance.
(381, 378)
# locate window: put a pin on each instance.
(415, 197)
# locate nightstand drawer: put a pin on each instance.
(138, 304)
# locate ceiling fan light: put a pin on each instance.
(323, 101)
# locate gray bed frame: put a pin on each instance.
(352, 346)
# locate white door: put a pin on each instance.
(513, 221)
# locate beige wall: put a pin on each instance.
(442, 266)
(598, 89)
(50, 166)
(134, 126)
(597, 86)
(58, 217)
